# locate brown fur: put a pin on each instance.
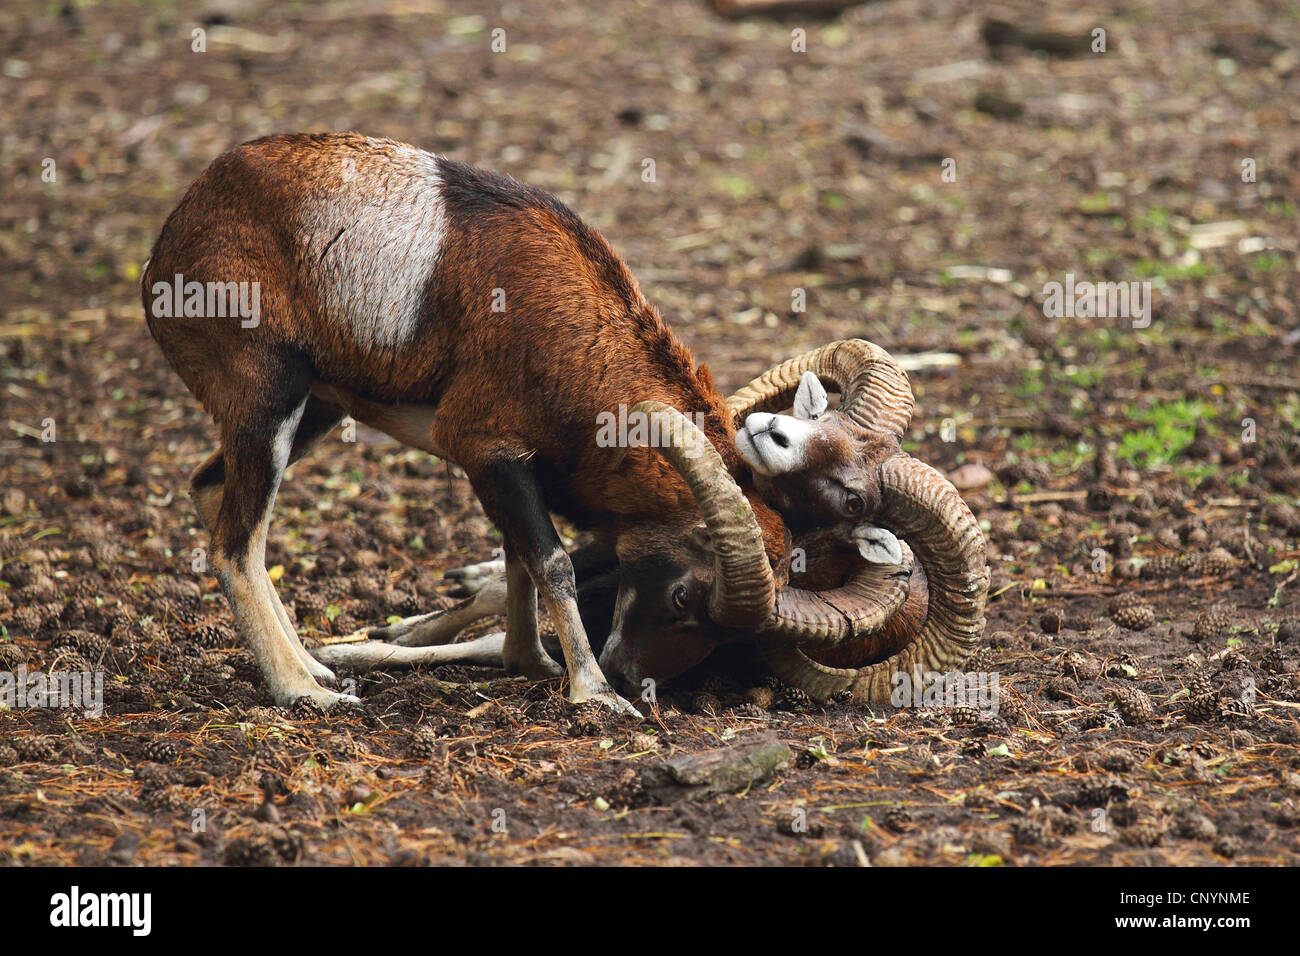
(577, 339)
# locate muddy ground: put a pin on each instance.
(1141, 513)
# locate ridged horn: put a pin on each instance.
(861, 606)
(744, 592)
(874, 391)
(920, 505)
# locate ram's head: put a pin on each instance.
(823, 461)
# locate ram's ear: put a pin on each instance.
(877, 545)
(700, 538)
(810, 399)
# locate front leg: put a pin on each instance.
(523, 652)
(512, 498)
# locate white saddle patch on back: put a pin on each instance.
(376, 240)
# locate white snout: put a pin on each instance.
(774, 444)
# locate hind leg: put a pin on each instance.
(207, 486)
(442, 627)
(257, 441)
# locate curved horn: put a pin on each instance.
(874, 390)
(917, 503)
(744, 592)
(861, 606)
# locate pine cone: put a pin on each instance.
(1127, 599)
(1235, 708)
(310, 606)
(161, 750)
(160, 800)
(1141, 834)
(963, 716)
(1202, 708)
(423, 743)
(8, 756)
(706, 704)
(1211, 625)
(212, 636)
(1134, 705)
(153, 775)
(92, 646)
(335, 589)
(1099, 498)
(1011, 706)
(1104, 792)
(1195, 826)
(551, 710)
(1228, 846)
(792, 698)
(305, 708)
(1200, 684)
(1218, 562)
(1079, 665)
(186, 616)
(245, 852)
(34, 749)
(1162, 567)
(1125, 665)
(1136, 617)
(760, 697)
(1080, 621)
(27, 620)
(589, 720)
(1273, 660)
(896, 818)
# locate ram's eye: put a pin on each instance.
(855, 504)
(680, 597)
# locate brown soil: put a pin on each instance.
(775, 171)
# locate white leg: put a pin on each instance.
(482, 651)
(441, 627)
(523, 653)
(473, 577)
